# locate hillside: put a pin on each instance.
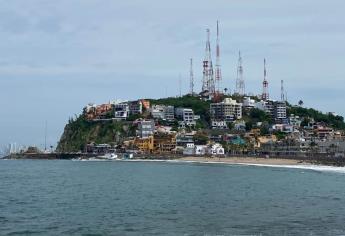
(80, 131)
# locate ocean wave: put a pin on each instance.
(320, 168)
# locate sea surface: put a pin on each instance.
(161, 198)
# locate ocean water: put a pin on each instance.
(159, 198)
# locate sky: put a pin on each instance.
(58, 56)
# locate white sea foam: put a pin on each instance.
(320, 168)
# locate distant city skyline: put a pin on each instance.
(58, 56)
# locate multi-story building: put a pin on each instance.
(146, 128)
(163, 112)
(228, 110)
(94, 112)
(219, 124)
(186, 115)
(248, 103)
(276, 109)
(121, 111)
(279, 110)
(169, 113)
(144, 145)
(164, 143)
(295, 121)
(135, 107)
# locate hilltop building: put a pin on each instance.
(135, 107)
(163, 112)
(186, 115)
(228, 110)
(121, 111)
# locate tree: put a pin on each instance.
(249, 125)
(300, 103)
(265, 128)
(200, 138)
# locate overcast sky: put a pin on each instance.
(57, 56)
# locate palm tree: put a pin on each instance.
(300, 103)
(225, 90)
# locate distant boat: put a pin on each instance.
(108, 156)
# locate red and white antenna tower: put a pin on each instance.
(240, 86)
(191, 77)
(207, 80)
(218, 67)
(265, 95)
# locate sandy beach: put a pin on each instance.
(244, 160)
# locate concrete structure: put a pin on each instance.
(96, 112)
(169, 113)
(135, 107)
(164, 143)
(163, 112)
(186, 115)
(216, 149)
(276, 109)
(200, 150)
(146, 128)
(121, 111)
(295, 121)
(189, 149)
(184, 140)
(280, 110)
(221, 124)
(248, 103)
(228, 110)
(145, 145)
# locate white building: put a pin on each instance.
(121, 111)
(189, 149)
(296, 121)
(249, 103)
(228, 110)
(221, 124)
(163, 112)
(200, 149)
(276, 109)
(186, 115)
(216, 149)
(146, 128)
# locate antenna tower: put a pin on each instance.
(218, 67)
(265, 95)
(191, 76)
(282, 95)
(240, 86)
(208, 81)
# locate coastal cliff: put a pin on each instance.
(79, 131)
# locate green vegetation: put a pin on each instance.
(78, 132)
(336, 122)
